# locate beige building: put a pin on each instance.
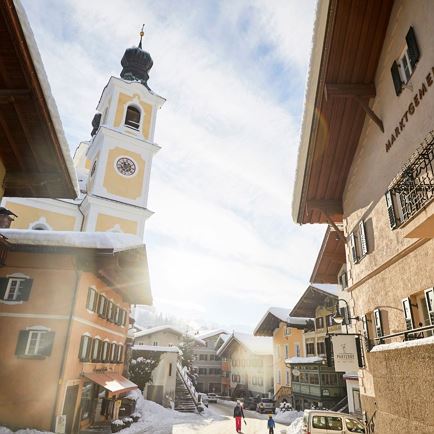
(288, 341)
(251, 361)
(366, 162)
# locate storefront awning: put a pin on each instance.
(111, 381)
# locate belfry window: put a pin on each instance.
(132, 117)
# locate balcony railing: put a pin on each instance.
(413, 188)
(408, 335)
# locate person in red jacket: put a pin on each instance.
(238, 414)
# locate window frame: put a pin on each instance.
(91, 306)
(39, 334)
(11, 280)
(136, 109)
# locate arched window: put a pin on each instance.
(132, 117)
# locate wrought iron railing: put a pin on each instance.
(413, 188)
(408, 335)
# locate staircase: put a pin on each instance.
(186, 399)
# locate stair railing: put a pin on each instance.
(182, 371)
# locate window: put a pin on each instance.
(279, 379)
(35, 343)
(287, 378)
(286, 351)
(105, 352)
(297, 350)
(310, 348)
(114, 352)
(102, 306)
(378, 323)
(120, 353)
(320, 346)
(319, 322)
(343, 279)
(329, 320)
(203, 356)
(155, 344)
(287, 331)
(408, 315)
(362, 239)
(357, 401)
(403, 68)
(212, 357)
(15, 288)
(132, 117)
(353, 425)
(429, 299)
(328, 423)
(117, 315)
(170, 369)
(260, 381)
(92, 299)
(85, 348)
(110, 308)
(96, 350)
(353, 248)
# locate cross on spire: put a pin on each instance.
(141, 36)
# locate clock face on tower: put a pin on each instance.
(125, 166)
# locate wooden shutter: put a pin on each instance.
(80, 350)
(396, 77)
(120, 352)
(92, 298)
(3, 286)
(359, 352)
(429, 299)
(112, 353)
(353, 248)
(413, 48)
(365, 327)
(23, 337)
(378, 323)
(391, 210)
(408, 315)
(102, 306)
(24, 289)
(362, 237)
(46, 344)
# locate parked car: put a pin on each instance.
(212, 397)
(203, 398)
(266, 405)
(251, 403)
(324, 422)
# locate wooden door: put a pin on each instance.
(69, 407)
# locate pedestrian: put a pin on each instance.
(238, 414)
(271, 424)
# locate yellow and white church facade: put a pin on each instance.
(113, 168)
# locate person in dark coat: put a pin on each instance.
(238, 414)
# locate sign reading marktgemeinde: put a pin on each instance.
(345, 353)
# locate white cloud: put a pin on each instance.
(221, 185)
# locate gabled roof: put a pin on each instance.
(168, 329)
(310, 300)
(257, 345)
(272, 319)
(210, 333)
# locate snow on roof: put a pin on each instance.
(211, 333)
(259, 345)
(90, 240)
(405, 344)
(45, 86)
(156, 348)
(168, 328)
(303, 360)
(282, 314)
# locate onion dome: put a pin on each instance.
(136, 63)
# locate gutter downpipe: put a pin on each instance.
(66, 346)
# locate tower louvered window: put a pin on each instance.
(132, 117)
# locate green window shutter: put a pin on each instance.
(23, 337)
(24, 291)
(80, 351)
(413, 48)
(3, 285)
(46, 344)
(120, 353)
(397, 82)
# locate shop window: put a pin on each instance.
(15, 288)
(85, 348)
(92, 299)
(35, 343)
(132, 117)
(402, 68)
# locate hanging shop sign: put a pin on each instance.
(345, 353)
(414, 104)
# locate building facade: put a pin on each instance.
(287, 334)
(380, 188)
(64, 314)
(207, 364)
(251, 362)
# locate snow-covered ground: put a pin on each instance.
(4, 430)
(287, 417)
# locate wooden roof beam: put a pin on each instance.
(359, 92)
(331, 206)
(19, 179)
(337, 257)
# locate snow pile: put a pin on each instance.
(4, 430)
(405, 344)
(287, 417)
(296, 426)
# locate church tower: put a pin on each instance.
(114, 167)
(118, 160)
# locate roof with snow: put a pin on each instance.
(258, 345)
(272, 319)
(119, 260)
(210, 333)
(167, 329)
(304, 360)
(155, 348)
(310, 300)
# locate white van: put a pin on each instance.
(330, 422)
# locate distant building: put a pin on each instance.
(251, 360)
(287, 334)
(64, 319)
(313, 382)
(207, 364)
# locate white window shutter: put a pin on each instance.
(363, 241)
(353, 247)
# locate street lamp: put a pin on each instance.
(338, 318)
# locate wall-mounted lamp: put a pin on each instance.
(338, 318)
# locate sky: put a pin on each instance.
(222, 246)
